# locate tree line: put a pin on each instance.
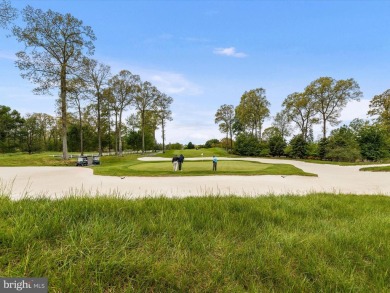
(56, 56)
(320, 103)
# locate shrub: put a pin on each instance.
(299, 147)
(277, 144)
(247, 145)
(372, 142)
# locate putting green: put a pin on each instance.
(197, 168)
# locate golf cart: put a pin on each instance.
(95, 160)
(82, 161)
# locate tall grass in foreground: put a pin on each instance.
(316, 243)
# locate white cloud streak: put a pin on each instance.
(230, 52)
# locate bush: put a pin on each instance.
(299, 147)
(322, 147)
(343, 154)
(174, 146)
(190, 146)
(372, 142)
(277, 144)
(212, 143)
(247, 145)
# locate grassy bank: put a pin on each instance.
(317, 243)
(377, 169)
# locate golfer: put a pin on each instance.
(215, 161)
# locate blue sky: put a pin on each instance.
(208, 53)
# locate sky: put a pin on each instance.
(208, 53)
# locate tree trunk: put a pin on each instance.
(81, 133)
(163, 135)
(99, 125)
(116, 134)
(143, 130)
(323, 127)
(64, 114)
(120, 134)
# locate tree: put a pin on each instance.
(54, 48)
(134, 140)
(341, 145)
(380, 108)
(225, 118)
(123, 88)
(190, 146)
(96, 76)
(276, 144)
(7, 13)
(77, 94)
(164, 114)
(11, 123)
(253, 110)
(282, 123)
(299, 147)
(300, 109)
(330, 96)
(212, 143)
(270, 132)
(247, 144)
(372, 142)
(144, 101)
(32, 132)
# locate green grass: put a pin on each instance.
(130, 166)
(377, 169)
(39, 159)
(316, 243)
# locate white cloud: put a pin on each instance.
(231, 52)
(170, 82)
(7, 56)
(354, 110)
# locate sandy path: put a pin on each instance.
(62, 181)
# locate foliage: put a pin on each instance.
(330, 96)
(174, 146)
(190, 146)
(299, 147)
(134, 140)
(164, 114)
(11, 133)
(7, 13)
(122, 90)
(322, 148)
(225, 116)
(277, 144)
(281, 122)
(247, 145)
(212, 143)
(342, 145)
(380, 108)
(312, 150)
(253, 110)
(55, 46)
(300, 109)
(372, 142)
